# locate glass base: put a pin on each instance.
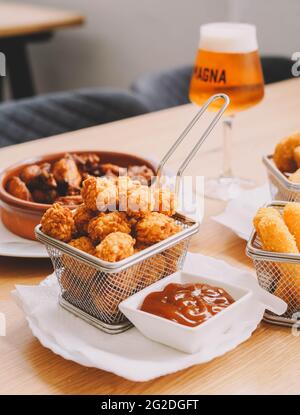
(226, 188)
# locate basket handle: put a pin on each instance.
(185, 132)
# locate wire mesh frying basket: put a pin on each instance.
(279, 274)
(280, 186)
(92, 288)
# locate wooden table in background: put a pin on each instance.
(21, 24)
(267, 363)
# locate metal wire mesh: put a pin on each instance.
(280, 187)
(280, 279)
(279, 190)
(278, 276)
(99, 292)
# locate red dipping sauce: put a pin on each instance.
(187, 304)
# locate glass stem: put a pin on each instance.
(227, 146)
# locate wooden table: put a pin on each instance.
(267, 363)
(21, 24)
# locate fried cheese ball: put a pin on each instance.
(99, 193)
(82, 216)
(65, 170)
(155, 227)
(140, 200)
(284, 153)
(261, 213)
(291, 217)
(295, 177)
(165, 201)
(106, 223)
(115, 247)
(58, 223)
(18, 188)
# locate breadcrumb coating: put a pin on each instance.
(115, 247)
(99, 193)
(82, 217)
(84, 243)
(106, 223)
(261, 213)
(275, 235)
(165, 201)
(284, 153)
(155, 227)
(124, 184)
(58, 223)
(140, 200)
(291, 217)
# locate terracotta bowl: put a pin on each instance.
(21, 216)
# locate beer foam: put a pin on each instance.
(228, 37)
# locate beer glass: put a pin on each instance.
(227, 62)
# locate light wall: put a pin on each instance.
(123, 39)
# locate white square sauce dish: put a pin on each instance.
(185, 338)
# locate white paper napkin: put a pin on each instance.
(130, 354)
(239, 213)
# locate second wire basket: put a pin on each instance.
(281, 188)
(279, 274)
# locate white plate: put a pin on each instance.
(213, 331)
(129, 354)
(14, 246)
